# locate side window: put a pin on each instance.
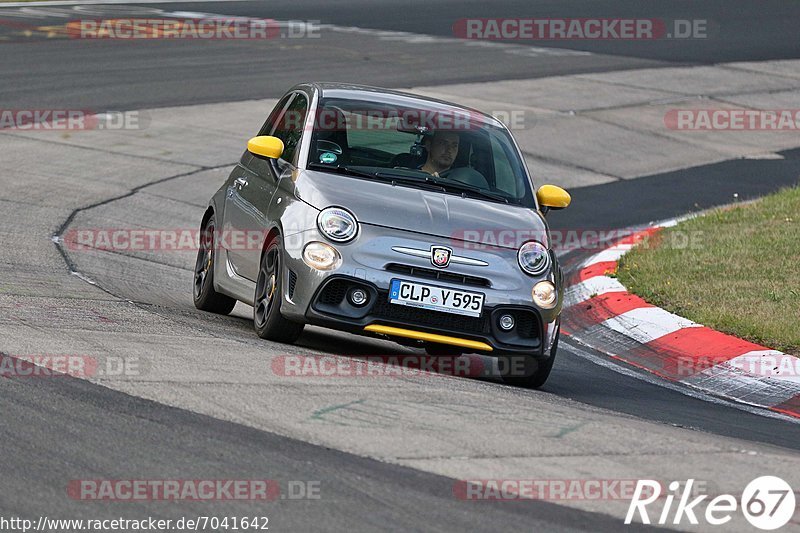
(505, 179)
(269, 125)
(289, 127)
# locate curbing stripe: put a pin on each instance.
(611, 255)
(690, 351)
(670, 346)
(646, 324)
(696, 349)
(601, 308)
(603, 268)
(769, 364)
(590, 288)
(791, 407)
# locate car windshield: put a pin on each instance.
(443, 148)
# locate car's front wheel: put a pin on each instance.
(269, 322)
(204, 295)
(525, 371)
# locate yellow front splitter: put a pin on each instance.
(432, 337)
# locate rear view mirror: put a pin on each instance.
(552, 197)
(265, 146)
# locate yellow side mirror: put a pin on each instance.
(552, 197)
(265, 146)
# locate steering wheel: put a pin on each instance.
(467, 175)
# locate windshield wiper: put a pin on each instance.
(452, 185)
(455, 185)
(424, 183)
(427, 181)
(341, 170)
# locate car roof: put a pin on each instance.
(351, 91)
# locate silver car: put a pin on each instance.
(387, 214)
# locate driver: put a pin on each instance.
(442, 149)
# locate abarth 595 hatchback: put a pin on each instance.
(387, 214)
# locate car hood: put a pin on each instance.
(421, 211)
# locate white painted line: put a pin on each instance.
(580, 292)
(675, 221)
(30, 11)
(668, 224)
(419, 38)
(768, 155)
(743, 387)
(765, 364)
(100, 2)
(646, 324)
(685, 388)
(611, 254)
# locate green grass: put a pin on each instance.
(736, 270)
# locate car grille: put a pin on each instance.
(527, 325)
(427, 318)
(440, 275)
(334, 292)
(332, 301)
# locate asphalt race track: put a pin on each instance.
(386, 454)
(114, 75)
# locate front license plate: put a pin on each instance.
(435, 298)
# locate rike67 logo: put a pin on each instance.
(768, 503)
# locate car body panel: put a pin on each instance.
(397, 225)
(449, 216)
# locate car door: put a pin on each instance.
(250, 192)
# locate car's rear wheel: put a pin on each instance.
(269, 322)
(204, 295)
(525, 371)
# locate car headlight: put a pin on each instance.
(534, 258)
(337, 224)
(544, 294)
(321, 256)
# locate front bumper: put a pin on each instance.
(369, 262)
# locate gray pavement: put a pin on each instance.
(589, 129)
(137, 307)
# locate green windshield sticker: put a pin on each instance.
(327, 158)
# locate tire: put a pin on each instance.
(203, 293)
(535, 372)
(267, 318)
